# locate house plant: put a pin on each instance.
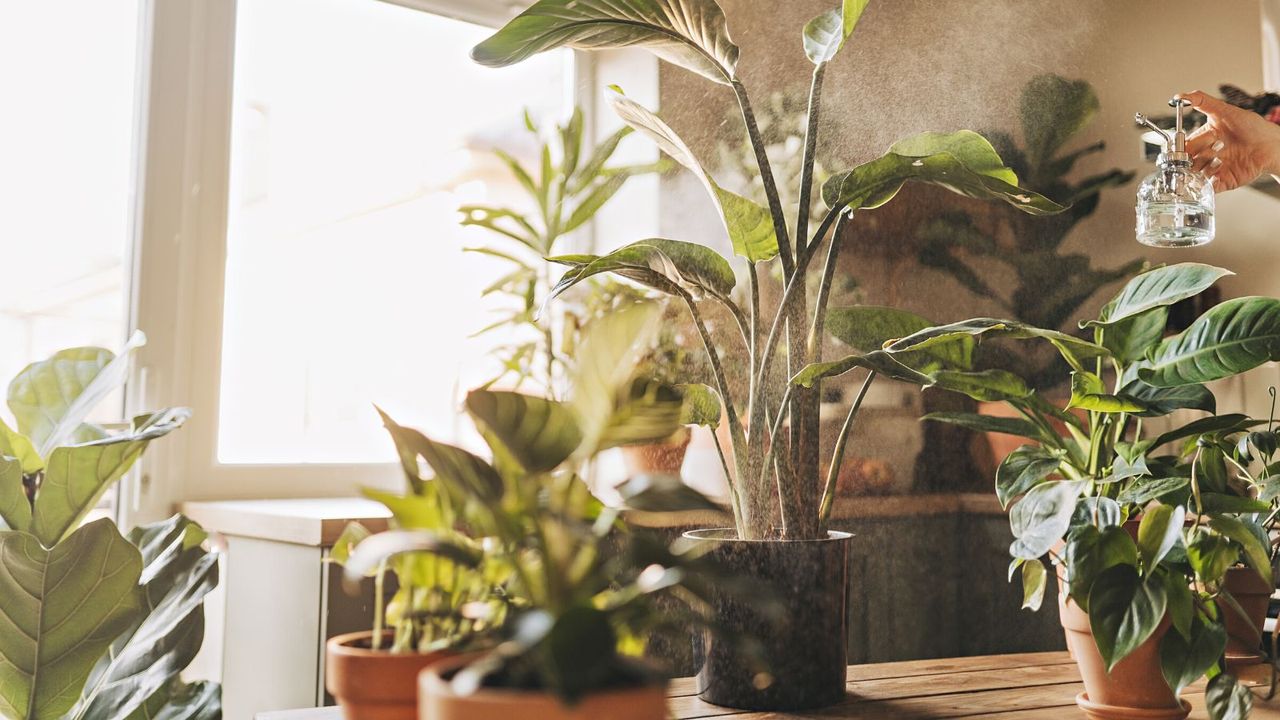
(580, 591)
(97, 624)
(1076, 495)
(807, 658)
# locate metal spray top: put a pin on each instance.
(1175, 145)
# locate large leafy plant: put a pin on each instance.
(776, 342)
(1092, 468)
(93, 624)
(1050, 285)
(569, 187)
(578, 590)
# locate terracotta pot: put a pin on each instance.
(374, 684)
(1244, 634)
(804, 651)
(666, 457)
(438, 701)
(1135, 685)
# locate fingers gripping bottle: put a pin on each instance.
(1175, 203)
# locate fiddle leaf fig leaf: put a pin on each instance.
(657, 263)
(826, 34)
(61, 608)
(1233, 337)
(1123, 612)
(689, 33)
(539, 433)
(963, 162)
(15, 508)
(16, 445)
(78, 475)
(1042, 517)
(1183, 660)
(1156, 288)
(1022, 470)
(749, 226)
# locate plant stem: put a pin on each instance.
(837, 457)
(766, 178)
(824, 293)
(806, 172)
(734, 501)
(378, 605)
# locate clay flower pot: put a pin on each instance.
(664, 458)
(438, 701)
(1244, 634)
(1135, 687)
(374, 684)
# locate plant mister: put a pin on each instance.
(1175, 203)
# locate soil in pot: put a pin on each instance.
(803, 648)
(374, 684)
(665, 457)
(1244, 633)
(439, 701)
(1135, 683)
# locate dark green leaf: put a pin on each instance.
(1227, 699)
(1157, 401)
(1211, 555)
(987, 423)
(1184, 660)
(1091, 551)
(986, 385)
(1073, 349)
(1159, 531)
(1255, 551)
(1130, 340)
(1218, 423)
(1143, 491)
(1022, 470)
(1180, 604)
(1213, 502)
(1123, 612)
(1159, 287)
(881, 362)
(1233, 337)
(539, 433)
(659, 264)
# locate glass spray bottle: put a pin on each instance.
(1175, 203)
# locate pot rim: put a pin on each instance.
(432, 680)
(705, 534)
(343, 645)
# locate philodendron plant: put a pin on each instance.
(1092, 467)
(779, 341)
(578, 590)
(93, 624)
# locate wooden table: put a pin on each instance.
(1031, 686)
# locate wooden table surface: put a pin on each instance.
(1031, 686)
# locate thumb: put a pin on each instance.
(1205, 103)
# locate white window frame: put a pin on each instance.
(183, 143)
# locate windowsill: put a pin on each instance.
(315, 522)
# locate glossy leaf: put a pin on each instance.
(985, 385)
(78, 475)
(15, 508)
(1230, 338)
(826, 34)
(1184, 660)
(1123, 612)
(1179, 603)
(183, 701)
(1158, 401)
(689, 33)
(1090, 552)
(1042, 517)
(868, 327)
(1158, 287)
(987, 423)
(1021, 470)
(749, 225)
(1231, 422)
(1073, 349)
(1034, 579)
(539, 433)
(1130, 340)
(1255, 552)
(1088, 393)
(1210, 555)
(1159, 531)
(656, 263)
(881, 362)
(61, 609)
(1227, 699)
(963, 162)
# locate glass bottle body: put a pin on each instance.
(1175, 208)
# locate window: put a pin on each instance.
(352, 147)
(67, 177)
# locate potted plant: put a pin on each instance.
(579, 590)
(97, 624)
(781, 506)
(1144, 539)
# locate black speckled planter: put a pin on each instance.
(805, 652)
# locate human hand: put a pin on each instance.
(1235, 147)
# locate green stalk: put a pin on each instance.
(806, 172)
(837, 457)
(766, 178)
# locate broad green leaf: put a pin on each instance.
(1074, 350)
(1158, 401)
(78, 475)
(1255, 553)
(387, 544)
(408, 512)
(1179, 602)
(688, 33)
(985, 385)
(1091, 551)
(827, 33)
(880, 361)
(1123, 612)
(1021, 470)
(1227, 699)
(539, 433)
(16, 445)
(1144, 491)
(464, 474)
(867, 328)
(1123, 469)
(1034, 579)
(1042, 517)
(1130, 340)
(656, 263)
(15, 508)
(963, 162)
(749, 226)
(1156, 288)
(987, 423)
(607, 361)
(60, 609)
(1211, 555)
(183, 701)
(1230, 338)
(701, 405)
(1184, 660)
(1159, 531)
(1214, 502)
(651, 412)
(1088, 393)
(1232, 422)
(51, 398)
(176, 577)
